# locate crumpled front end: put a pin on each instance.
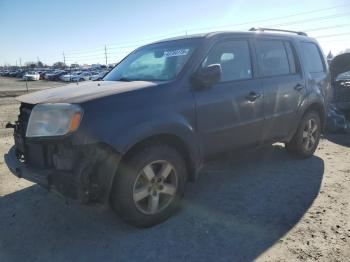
(341, 96)
(84, 171)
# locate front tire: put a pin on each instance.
(149, 186)
(307, 136)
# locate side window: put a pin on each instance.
(272, 57)
(234, 58)
(313, 58)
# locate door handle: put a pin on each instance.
(253, 96)
(298, 87)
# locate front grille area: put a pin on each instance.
(35, 153)
(20, 130)
(29, 152)
(23, 118)
(342, 91)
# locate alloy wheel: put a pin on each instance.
(310, 134)
(155, 187)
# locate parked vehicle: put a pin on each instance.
(13, 73)
(5, 73)
(20, 73)
(42, 74)
(54, 76)
(84, 76)
(340, 69)
(31, 76)
(98, 76)
(135, 138)
(68, 77)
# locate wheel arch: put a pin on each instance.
(317, 107)
(168, 139)
(307, 106)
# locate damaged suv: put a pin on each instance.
(135, 138)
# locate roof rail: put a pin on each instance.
(262, 29)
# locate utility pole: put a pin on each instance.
(64, 59)
(106, 54)
(20, 62)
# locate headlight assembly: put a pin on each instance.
(53, 120)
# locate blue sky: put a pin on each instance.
(45, 29)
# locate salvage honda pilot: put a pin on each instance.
(135, 138)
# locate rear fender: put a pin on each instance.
(311, 100)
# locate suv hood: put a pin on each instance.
(78, 93)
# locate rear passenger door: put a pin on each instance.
(283, 84)
(230, 113)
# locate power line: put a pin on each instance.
(335, 40)
(272, 19)
(114, 47)
(312, 19)
(106, 54)
(99, 52)
(119, 46)
(332, 35)
(325, 28)
(87, 55)
(140, 42)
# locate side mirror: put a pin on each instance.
(208, 76)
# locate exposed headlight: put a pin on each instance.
(53, 120)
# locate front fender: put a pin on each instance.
(174, 125)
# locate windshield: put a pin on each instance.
(157, 62)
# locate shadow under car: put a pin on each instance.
(239, 207)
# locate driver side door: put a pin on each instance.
(230, 113)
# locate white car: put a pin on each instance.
(98, 76)
(31, 76)
(84, 76)
(69, 77)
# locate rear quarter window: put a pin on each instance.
(313, 58)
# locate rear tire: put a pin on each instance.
(307, 136)
(149, 186)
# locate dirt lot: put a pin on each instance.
(11, 84)
(260, 205)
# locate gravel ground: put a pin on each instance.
(259, 205)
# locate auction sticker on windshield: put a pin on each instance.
(178, 52)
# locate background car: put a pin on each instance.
(31, 76)
(68, 77)
(98, 75)
(84, 76)
(55, 75)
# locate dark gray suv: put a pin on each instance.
(135, 138)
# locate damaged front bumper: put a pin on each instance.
(87, 177)
(20, 170)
